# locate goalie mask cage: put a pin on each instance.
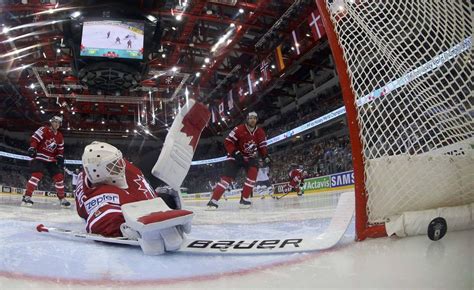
(406, 76)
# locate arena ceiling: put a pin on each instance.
(191, 48)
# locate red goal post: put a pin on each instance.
(405, 74)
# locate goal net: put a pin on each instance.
(406, 72)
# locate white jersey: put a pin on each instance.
(262, 174)
(75, 177)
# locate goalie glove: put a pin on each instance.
(171, 197)
(32, 152)
(158, 227)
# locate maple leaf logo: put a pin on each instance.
(144, 186)
(194, 122)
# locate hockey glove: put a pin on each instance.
(267, 160)
(171, 197)
(238, 157)
(32, 152)
(60, 160)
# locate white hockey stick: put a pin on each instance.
(335, 231)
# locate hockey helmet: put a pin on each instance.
(58, 119)
(104, 163)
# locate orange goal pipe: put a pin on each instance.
(363, 230)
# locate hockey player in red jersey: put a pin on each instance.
(47, 151)
(243, 145)
(297, 176)
(115, 199)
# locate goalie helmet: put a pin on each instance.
(56, 119)
(104, 163)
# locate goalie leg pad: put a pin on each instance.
(177, 153)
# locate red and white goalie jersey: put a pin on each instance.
(247, 141)
(48, 144)
(100, 206)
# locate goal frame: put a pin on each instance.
(363, 228)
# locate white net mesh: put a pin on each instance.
(410, 68)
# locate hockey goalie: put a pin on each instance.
(116, 200)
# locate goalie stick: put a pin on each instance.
(335, 231)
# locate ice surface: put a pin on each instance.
(29, 259)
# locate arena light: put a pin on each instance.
(32, 86)
(174, 69)
(147, 131)
(126, 131)
(207, 60)
(92, 129)
(198, 74)
(241, 11)
(163, 55)
(232, 24)
(179, 17)
(42, 112)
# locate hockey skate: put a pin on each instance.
(245, 203)
(211, 205)
(26, 201)
(64, 203)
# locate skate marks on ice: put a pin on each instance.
(46, 208)
(27, 252)
(268, 210)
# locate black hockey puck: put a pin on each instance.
(437, 229)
